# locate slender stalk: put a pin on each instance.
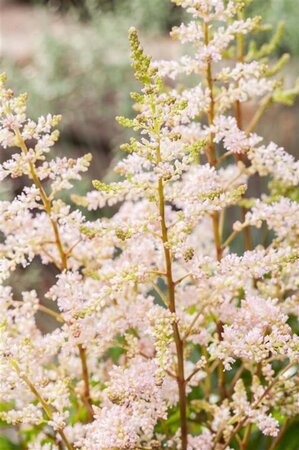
(239, 441)
(212, 159)
(255, 405)
(46, 407)
(86, 393)
(238, 114)
(230, 238)
(211, 112)
(217, 237)
(161, 294)
(257, 116)
(190, 328)
(211, 151)
(207, 380)
(182, 278)
(220, 368)
(63, 255)
(246, 231)
(245, 440)
(195, 371)
(237, 376)
(280, 435)
(259, 113)
(46, 202)
(221, 221)
(172, 308)
(50, 312)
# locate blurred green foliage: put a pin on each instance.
(161, 14)
(274, 11)
(6, 444)
(89, 66)
(153, 14)
(85, 74)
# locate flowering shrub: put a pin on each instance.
(165, 338)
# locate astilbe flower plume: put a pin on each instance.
(165, 337)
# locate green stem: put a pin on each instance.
(172, 308)
(255, 405)
(50, 312)
(211, 151)
(45, 200)
(212, 159)
(237, 376)
(259, 113)
(86, 393)
(46, 407)
(207, 380)
(248, 245)
(63, 256)
(246, 438)
(280, 435)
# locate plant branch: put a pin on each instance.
(190, 328)
(212, 159)
(86, 393)
(63, 255)
(172, 308)
(258, 114)
(48, 409)
(238, 375)
(255, 405)
(50, 312)
(160, 293)
(238, 114)
(280, 435)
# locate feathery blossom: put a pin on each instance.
(281, 217)
(167, 334)
(275, 161)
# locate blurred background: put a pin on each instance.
(72, 57)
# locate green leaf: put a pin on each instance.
(6, 444)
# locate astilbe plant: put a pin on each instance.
(165, 338)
